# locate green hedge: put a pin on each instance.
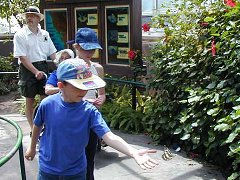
(8, 82)
(197, 104)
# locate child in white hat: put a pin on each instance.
(51, 84)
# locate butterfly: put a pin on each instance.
(167, 155)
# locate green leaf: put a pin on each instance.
(236, 114)
(231, 137)
(222, 127)
(194, 99)
(184, 118)
(213, 112)
(177, 131)
(209, 19)
(221, 84)
(234, 148)
(195, 124)
(185, 137)
(236, 107)
(234, 176)
(196, 139)
(211, 86)
(215, 34)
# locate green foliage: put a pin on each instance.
(6, 63)
(22, 102)
(8, 82)
(118, 112)
(10, 8)
(197, 100)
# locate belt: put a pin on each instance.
(40, 62)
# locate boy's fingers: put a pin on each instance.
(150, 163)
(142, 166)
(29, 158)
(154, 161)
(151, 151)
(146, 151)
(148, 166)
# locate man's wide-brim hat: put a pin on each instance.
(33, 10)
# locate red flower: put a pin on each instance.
(204, 24)
(132, 55)
(146, 27)
(230, 3)
(213, 48)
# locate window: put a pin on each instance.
(56, 24)
(151, 7)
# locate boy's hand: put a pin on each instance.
(30, 154)
(143, 160)
(98, 102)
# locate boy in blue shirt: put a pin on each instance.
(68, 120)
(85, 45)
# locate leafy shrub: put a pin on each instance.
(118, 111)
(8, 81)
(196, 74)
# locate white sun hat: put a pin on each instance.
(33, 10)
(59, 53)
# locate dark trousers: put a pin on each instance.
(90, 154)
(28, 84)
(45, 176)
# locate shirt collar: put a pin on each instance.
(30, 32)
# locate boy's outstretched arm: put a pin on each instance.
(31, 150)
(140, 156)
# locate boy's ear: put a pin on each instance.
(60, 85)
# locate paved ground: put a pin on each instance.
(110, 164)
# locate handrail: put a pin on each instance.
(17, 146)
(9, 72)
(134, 84)
(134, 88)
(138, 84)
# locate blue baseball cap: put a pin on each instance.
(77, 73)
(87, 39)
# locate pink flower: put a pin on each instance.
(146, 27)
(230, 3)
(213, 48)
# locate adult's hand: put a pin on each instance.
(40, 75)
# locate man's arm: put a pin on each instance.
(140, 156)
